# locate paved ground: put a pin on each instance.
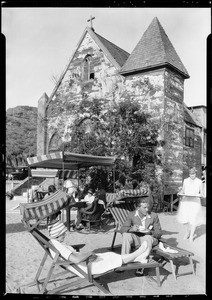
(23, 256)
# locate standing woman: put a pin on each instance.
(190, 205)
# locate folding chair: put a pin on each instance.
(33, 214)
(120, 212)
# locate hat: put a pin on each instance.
(56, 229)
(90, 192)
(51, 189)
(68, 183)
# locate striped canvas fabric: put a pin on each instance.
(50, 173)
(44, 208)
(112, 197)
(57, 229)
(137, 192)
(36, 159)
(120, 211)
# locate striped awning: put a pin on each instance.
(49, 173)
(69, 161)
(44, 208)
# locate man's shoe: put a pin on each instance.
(79, 227)
(119, 271)
(139, 272)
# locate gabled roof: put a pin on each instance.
(189, 117)
(154, 50)
(116, 52)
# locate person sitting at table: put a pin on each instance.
(69, 184)
(80, 204)
(51, 190)
(84, 205)
(89, 198)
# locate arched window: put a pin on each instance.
(55, 143)
(87, 68)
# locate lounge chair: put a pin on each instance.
(33, 214)
(120, 212)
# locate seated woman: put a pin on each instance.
(89, 198)
(83, 205)
(101, 262)
(92, 212)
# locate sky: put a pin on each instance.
(41, 41)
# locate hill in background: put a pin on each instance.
(21, 134)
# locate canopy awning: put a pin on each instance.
(69, 161)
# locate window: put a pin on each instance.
(87, 68)
(55, 143)
(189, 137)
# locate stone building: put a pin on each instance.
(153, 73)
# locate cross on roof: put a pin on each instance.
(90, 20)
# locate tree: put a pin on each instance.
(21, 134)
(118, 129)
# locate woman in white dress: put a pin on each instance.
(190, 203)
(101, 262)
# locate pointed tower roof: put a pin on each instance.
(154, 50)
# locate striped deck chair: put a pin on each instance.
(32, 215)
(120, 212)
(130, 193)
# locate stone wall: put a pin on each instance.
(41, 125)
(174, 120)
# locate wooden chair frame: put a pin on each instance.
(58, 260)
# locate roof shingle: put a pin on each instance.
(117, 53)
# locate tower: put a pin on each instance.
(155, 63)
